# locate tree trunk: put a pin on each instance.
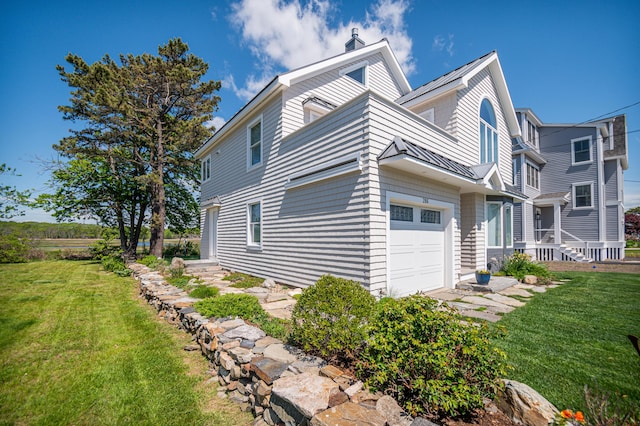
(156, 241)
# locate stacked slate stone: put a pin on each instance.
(278, 383)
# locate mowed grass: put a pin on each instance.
(576, 335)
(78, 347)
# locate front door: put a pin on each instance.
(213, 233)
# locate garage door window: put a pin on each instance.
(401, 213)
(430, 216)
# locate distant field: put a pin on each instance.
(81, 243)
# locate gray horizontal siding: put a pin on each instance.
(308, 231)
(559, 174)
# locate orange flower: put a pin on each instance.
(566, 414)
(579, 416)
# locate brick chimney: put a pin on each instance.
(354, 43)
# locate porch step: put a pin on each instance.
(573, 254)
(202, 265)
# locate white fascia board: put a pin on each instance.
(530, 114)
(531, 153)
(265, 94)
(382, 47)
(450, 87)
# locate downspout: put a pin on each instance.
(600, 186)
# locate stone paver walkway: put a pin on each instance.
(489, 302)
(485, 302)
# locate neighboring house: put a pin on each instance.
(339, 167)
(572, 175)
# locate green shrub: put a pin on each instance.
(180, 282)
(116, 265)
(14, 248)
(330, 317)
(186, 249)
(203, 291)
(230, 305)
(176, 272)
(240, 280)
(149, 260)
(429, 359)
(519, 264)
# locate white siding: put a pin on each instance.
(468, 121)
(332, 87)
(307, 231)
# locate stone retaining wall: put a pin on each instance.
(278, 383)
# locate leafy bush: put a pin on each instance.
(240, 280)
(519, 264)
(116, 265)
(149, 261)
(180, 282)
(14, 249)
(429, 359)
(330, 317)
(187, 249)
(230, 305)
(176, 272)
(203, 291)
(247, 307)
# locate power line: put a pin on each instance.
(573, 126)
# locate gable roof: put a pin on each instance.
(459, 79)
(287, 79)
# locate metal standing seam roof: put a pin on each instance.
(442, 80)
(400, 146)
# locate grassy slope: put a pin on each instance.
(576, 335)
(76, 347)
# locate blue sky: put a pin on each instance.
(570, 61)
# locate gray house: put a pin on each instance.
(572, 176)
(341, 167)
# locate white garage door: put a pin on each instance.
(417, 250)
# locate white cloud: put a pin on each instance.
(215, 122)
(440, 43)
(291, 34)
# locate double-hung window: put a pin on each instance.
(254, 228)
(205, 169)
(581, 151)
(254, 142)
(488, 133)
(583, 195)
(533, 176)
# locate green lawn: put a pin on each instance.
(78, 347)
(576, 335)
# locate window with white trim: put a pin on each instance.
(514, 175)
(254, 143)
(533, 176)
(488, 133)
(532, 134)
(499, 224)
(357, 72)
(494, 224)
(508, 224)
(254, 220)
(205, 169)
(583, 195)
(581, 151)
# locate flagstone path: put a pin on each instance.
(485, 302)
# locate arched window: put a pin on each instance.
(488, 133)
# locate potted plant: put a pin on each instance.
(483, 276)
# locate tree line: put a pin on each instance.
(44, 230)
